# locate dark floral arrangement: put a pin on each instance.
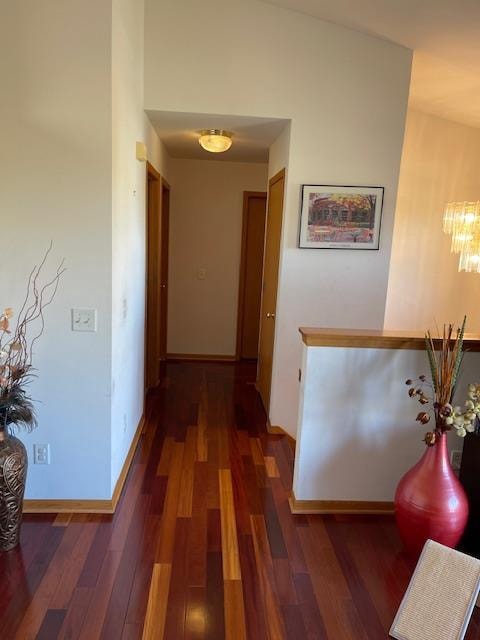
(439, 393)
(16, 348)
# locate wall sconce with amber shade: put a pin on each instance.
(461, 220)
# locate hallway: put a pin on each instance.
(203, 544)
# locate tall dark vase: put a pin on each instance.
(430, 502)
(13, 473)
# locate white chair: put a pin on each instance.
(439, 601)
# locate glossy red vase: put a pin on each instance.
(430, 502)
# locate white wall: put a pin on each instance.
(206, 233)
(439, 164)
(355, 414)
(70, 113)
(346, 94)
(129, 124)
(55, 184)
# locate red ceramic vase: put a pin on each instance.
(430, 502)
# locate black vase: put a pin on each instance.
(470, 478)
(13, 473)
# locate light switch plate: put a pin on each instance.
(84, 319)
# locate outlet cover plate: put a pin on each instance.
(456, 458)
(41, 454)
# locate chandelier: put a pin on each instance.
(461, 220)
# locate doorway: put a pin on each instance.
(251, 267)
(157, 217)
(270, 285)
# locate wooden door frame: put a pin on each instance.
(153, 175)
(274, 179)
(164, 186)
(243, 263)
(278, 176)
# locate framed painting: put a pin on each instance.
(335, 217)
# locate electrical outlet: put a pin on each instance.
(41, 454)
(202, 274)
(456, 458)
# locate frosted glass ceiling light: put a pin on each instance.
(215, 140)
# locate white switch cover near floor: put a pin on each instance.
(84, 319)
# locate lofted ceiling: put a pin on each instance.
(444, 34)
(251, 138)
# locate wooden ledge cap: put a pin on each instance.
(375, 339)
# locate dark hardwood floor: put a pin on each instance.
(203, 544)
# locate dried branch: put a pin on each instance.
(16, 348)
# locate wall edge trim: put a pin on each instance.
(127, 463)
(358, 507)
(202, 357)
(90, 506)
(276, 430)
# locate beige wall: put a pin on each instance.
(205, 233)
(439, 163)
(346, 94)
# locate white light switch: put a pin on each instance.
(202, 274)
(84, 319)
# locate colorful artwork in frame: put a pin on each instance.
(335, 217)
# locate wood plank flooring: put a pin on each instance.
(203, 544)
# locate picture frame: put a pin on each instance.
(340, 217)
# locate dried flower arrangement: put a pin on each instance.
(445, 368)
(16, 348)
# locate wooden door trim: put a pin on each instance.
(278, 176)
(151, 175)
(151, 171)
(164, 267)
(243, 256)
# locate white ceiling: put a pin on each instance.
(445, 35)
(251, 138)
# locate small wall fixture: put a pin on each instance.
(141, 151)
(215, 140)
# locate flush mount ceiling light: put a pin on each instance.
(215, 140)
